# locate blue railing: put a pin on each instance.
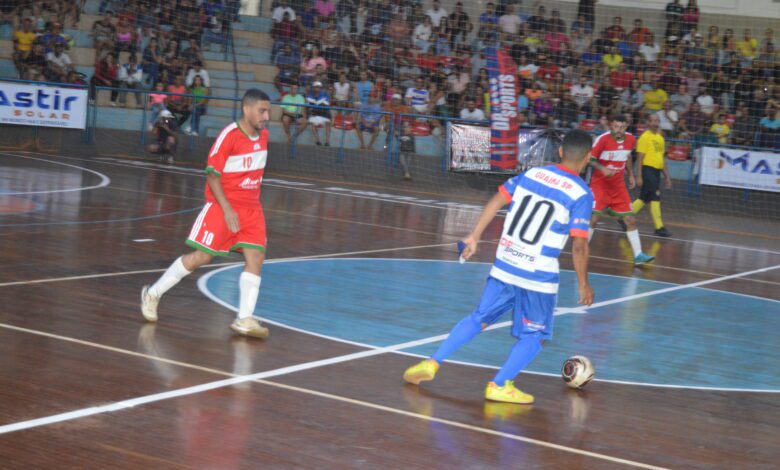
(392, 141)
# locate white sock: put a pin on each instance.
(175, 273)
(249, 287)
(633, 239)
(590, 234)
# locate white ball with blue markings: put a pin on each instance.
(577, 371)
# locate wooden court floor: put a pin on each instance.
(85, 383)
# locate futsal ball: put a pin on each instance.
(577, 371)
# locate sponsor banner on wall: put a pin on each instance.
(737, 168)
(470, 148)
(38, 105)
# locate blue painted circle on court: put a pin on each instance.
(692, 337)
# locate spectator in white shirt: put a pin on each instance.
(436, 13)
(197, 70)
(131, 75)
(669, 119)
(280, 10)
(650, 49)
(422, 35)
(583, 94)
(342, 92)
(706, 102)
(509, 22)
(58, 64)
(418, 96)
(471, 112)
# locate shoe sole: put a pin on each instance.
(263, 334)
(146, 317)
(644, 262)
(513, 402)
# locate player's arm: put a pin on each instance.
(595, 164)
(488, 214)
(580, 252)
(665, 171)
(640, 158)
(212, 179)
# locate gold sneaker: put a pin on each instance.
(249, 327)
(507, 394)
(421, 372)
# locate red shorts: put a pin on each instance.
(211, 234)
(611, 197)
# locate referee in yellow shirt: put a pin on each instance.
(650, 150)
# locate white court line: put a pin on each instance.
(130, 403)
(695, 242)
(339, 398)
(203, 281)
(216, 265)
(192, 172)
(104, 180)
(125, 404)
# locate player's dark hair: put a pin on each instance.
(254, 95)
(576, 145)
(618, 117)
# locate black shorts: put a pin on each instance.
(651, 184)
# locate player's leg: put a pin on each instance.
(599, 204)
(621, 205)
(644, 193)
(655, 204)
(206, 244)
(252, 241)
(533, 323)
(497, 299)
(178, 270)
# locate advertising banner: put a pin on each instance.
(470, 148)
(38, 105)
(738, 168)
(502, 74)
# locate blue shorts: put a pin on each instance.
(532, 312)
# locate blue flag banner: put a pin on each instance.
(502, 73)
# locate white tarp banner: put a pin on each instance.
(737, 168)
(47, 106)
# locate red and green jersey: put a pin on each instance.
(239, 161)
(612, 154)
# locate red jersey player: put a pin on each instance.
(232, 219)
(611, 157)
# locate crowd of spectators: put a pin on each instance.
(138, 44)
(705, 84)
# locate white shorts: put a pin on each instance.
(318, 120)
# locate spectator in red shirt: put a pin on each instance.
(615, 31)
(622, 77)
(555, 41)
(547, 69)
(105, 75)
(639, 34)
(178, 105)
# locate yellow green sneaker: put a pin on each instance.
(507, 394)
(421, 372)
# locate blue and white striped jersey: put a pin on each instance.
(547, 204)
